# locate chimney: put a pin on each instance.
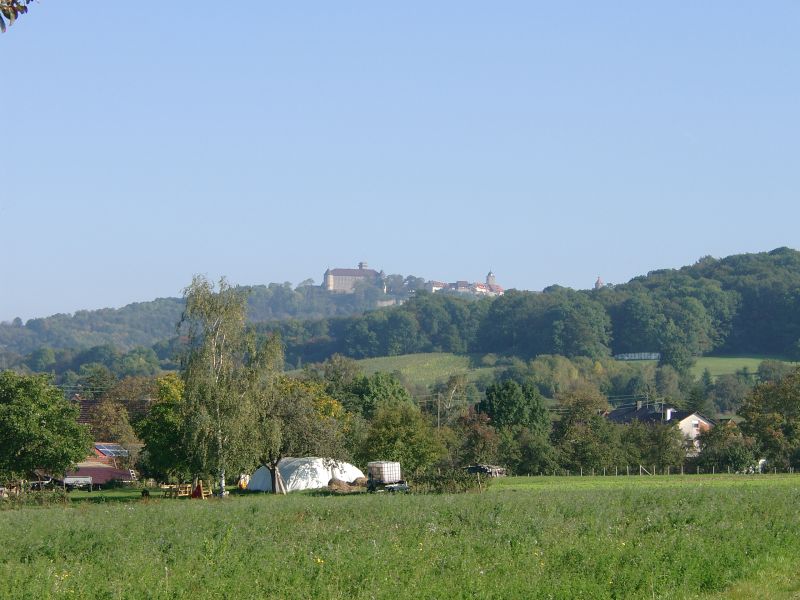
(668, 414)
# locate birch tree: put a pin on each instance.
(217, 378)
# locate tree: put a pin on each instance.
(726, 447)
(772, 416)
(296, 418)
(773, 370)
(401, 433)
(584, 438)
(139, 361)
(41, 360)
(667, 382)
(38, 427)
(371, 392)
(729, 391)
(162, 431)
(217, 378)
(509, 403)
(665, 446)
(92, 380)
(134, 393)
(452, 398)
(10, 10)
(525, 451)
(110, 422)
(480, 442)
(339, 373)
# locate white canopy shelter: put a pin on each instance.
(308, 473)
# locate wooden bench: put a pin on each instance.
(182, 490)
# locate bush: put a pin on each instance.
(35, 498)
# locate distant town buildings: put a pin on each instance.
(343, 281)
(489, 288)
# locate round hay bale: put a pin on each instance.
(359, 482)
(337, 485)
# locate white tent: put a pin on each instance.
(308, 473)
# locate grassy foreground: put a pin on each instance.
(637, 537)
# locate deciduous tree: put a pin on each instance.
(38, 427)
(217, 378)
(401, 433)
(772, 416)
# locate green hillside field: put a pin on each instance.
(723, 365)
(428, 368)
(692, 536)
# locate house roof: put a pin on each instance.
(99, 473)
(680, 415)
(652, 413)
(626, 414)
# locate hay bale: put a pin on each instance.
(359, 482)
(337, 485)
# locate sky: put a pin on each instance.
(550, 142)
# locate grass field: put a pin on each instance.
(637, 537)
(425, 369)
(722, 365)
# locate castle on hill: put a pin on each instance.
(344, 281)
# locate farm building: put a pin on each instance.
(103, 465)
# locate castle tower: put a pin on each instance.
(490, 280)
(599, 283)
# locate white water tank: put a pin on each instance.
(384, 471)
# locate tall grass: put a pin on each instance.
(668, 537)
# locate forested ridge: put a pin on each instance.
(146, 323)
(742, 304)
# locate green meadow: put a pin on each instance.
(425, 369)
(724, 365)
(428, 368)
(541, 537)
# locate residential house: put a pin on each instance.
(690, 423)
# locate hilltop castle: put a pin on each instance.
(343, 281)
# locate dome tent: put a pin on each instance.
(308, 473)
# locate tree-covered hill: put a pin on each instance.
(742, 304)
(145, 323)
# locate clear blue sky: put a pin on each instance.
(551, 142)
